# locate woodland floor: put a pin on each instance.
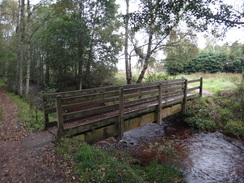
(25, 156)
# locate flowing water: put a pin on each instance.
(203, 157)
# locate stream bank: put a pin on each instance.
(202, 157)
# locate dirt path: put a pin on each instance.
(27, 157)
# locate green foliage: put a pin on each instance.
(1, 114)
(166, 152)
(223, 112)
(95, 165)
(215, 82)
(179, 50)
(29, 115)
(235, 128)
(206, 62)
(157, 77)
(162, 173)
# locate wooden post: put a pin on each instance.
(59, 116)
(121, 113)
(46, 120)
(159, 120)
(184, 98)
(200, 90)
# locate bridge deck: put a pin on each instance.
(111, 108)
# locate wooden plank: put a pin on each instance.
(121, 113)
(99, 102)
(60, 116)
(89, 91)
(90, 97)
(49, 110)
(192, 89)
(92, 125)
(140, 89)
(89, 112)
(140, 111)
(159, 119)
(193, 81)
(138, 94)
(140, 101)
(201, 84)
(185, 98)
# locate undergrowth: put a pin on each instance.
(95, 165)
(224, 112)
(1, 114)
(29, 115)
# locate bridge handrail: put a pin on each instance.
(103, 100)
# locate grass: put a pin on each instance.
(1, 114)
(95, 165)
(216, 82)
(211, 82)
(224, 112)
(29, 115)
(1, 110)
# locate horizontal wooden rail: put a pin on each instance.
(86, 110)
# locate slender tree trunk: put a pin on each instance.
(80, 50)
(28, 50)
(127, 60)
(149, 49)
(18, 48)
(22, 43)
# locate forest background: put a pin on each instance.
(76, 44)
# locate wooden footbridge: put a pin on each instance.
(98, 113)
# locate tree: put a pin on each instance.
(127, 59)
(156, 19)
(179, 49)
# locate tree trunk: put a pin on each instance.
(127, 60)
(80, 50)
(149, 49)
(28, 50)
(22, 46)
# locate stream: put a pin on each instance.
(202, 157)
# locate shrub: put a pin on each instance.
(157, 77)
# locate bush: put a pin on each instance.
(223, 112)
(157, 77)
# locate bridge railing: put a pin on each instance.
(94, 108)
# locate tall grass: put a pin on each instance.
(29, 115)
(216, 82)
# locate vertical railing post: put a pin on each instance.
(159, 120)
(46, 120)
(184, 98)
(121, 113)
(60, 116)
(200, 90)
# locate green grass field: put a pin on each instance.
(217, 81)
(211, 82)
